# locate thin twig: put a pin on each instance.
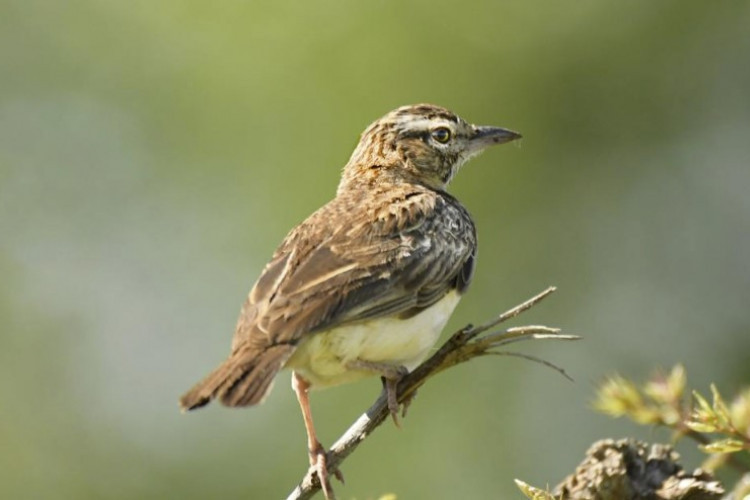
(462, 346)
(541, 361)
(515, 311)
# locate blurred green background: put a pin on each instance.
(153, 154)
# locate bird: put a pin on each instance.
(365, 285)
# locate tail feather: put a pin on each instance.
(243, 379)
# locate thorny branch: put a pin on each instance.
(462, 346)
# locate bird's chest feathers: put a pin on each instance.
(322, 358)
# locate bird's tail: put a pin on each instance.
(244, 379)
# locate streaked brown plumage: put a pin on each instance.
(391, 245)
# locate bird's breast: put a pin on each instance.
(322, 358)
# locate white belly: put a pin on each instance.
(322, 358)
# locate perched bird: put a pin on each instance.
(365, 285)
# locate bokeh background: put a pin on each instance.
(153, 154)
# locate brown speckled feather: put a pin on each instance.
(409, 247)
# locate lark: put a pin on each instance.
(364, 285)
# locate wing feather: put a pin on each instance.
(405, 255)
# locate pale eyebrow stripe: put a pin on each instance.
(424, 124)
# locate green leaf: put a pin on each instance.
(618, 396)
(676, 381)
(740, 412)
(720, 408)
(532, 492)
(700, 426)
(704, 406)
(723, 446)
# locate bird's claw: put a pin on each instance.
(391, 392)
(319, 461)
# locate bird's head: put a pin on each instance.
(422, 143)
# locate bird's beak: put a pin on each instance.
(488, 136)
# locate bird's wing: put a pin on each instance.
(399, 259)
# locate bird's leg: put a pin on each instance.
(318, 456)
(392, 375)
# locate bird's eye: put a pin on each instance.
(441, 134)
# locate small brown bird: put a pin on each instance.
(365, 285)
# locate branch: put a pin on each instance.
(464, 345)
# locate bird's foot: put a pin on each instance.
(392, 375)
(391, 394)
(319, 461)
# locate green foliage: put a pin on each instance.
(534, 493)
(720, 428)
(659, 401)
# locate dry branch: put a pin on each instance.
(462, 346)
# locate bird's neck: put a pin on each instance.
(385, 170)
